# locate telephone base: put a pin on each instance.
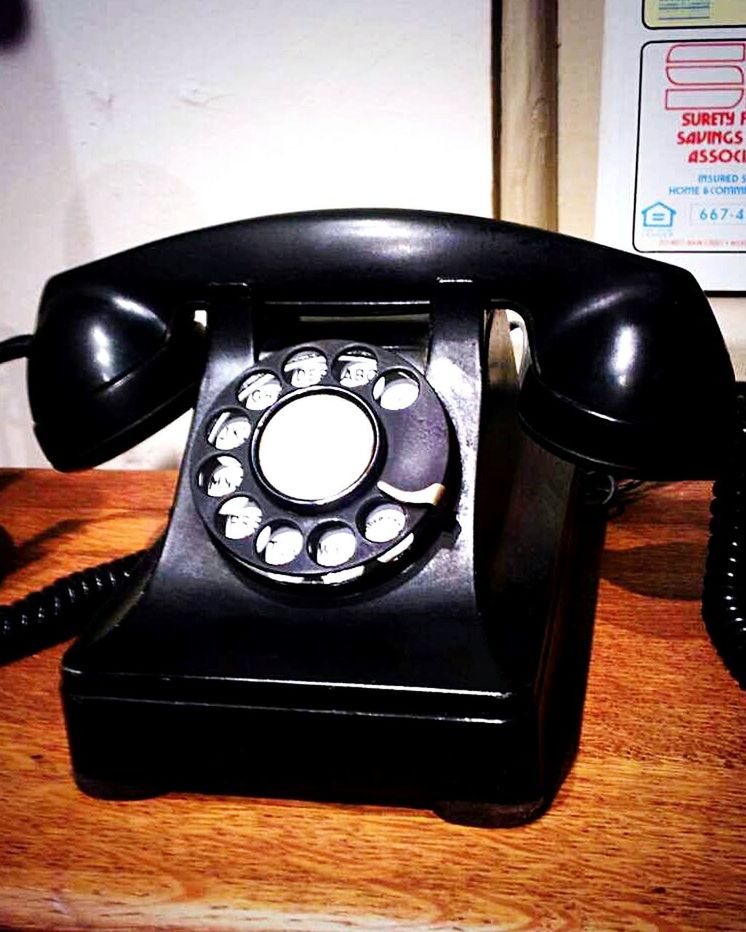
(475, 756)
(476, 815)
(145, 749)
(492, 815)
(116, 790)
(454, 681)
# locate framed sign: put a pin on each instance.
(672, 154)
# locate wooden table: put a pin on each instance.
(647, 832)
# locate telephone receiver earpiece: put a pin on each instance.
(628, 368)
(108, 369)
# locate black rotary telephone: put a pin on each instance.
(379, 575)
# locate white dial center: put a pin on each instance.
(315, 447)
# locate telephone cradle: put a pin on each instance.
(378, 580)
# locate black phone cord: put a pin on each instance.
(15, 347)
(62, 609)
(724, 590)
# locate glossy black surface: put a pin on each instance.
(456, 682)
(413, 454)
(628, 366)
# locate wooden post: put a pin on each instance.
(527, 172)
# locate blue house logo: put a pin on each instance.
(658, 215)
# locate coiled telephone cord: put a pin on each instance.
(60, 610)
(724, 590)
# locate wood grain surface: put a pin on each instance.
(527, 162)
(647, 832)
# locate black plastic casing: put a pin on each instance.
(628, 368)
(456, 683)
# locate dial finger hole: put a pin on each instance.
(304, 368)
(396, 390)
(220, 476)
(259, 390)
(239, 517)
(333, 544)
(355, 367)
(279, 543)
(383, 522)
(229, 430)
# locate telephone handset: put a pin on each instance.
(628, 368)
(378, 578)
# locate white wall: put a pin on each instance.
(122, 121)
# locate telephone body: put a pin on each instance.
(378, 579)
